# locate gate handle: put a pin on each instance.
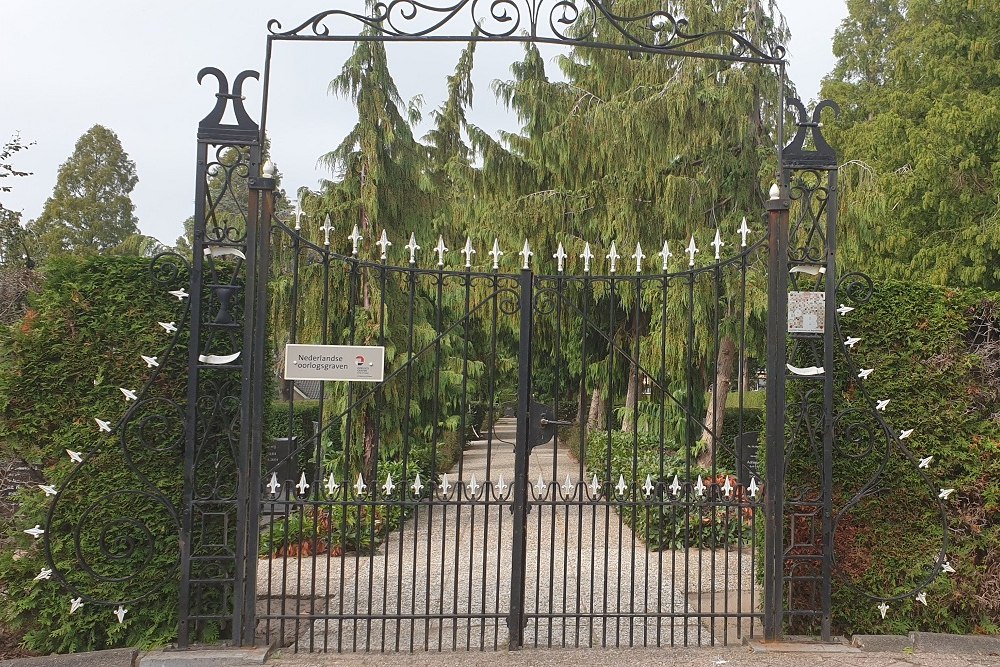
(554, 422)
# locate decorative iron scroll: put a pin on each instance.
(865, 435)
(211, 125)
(111, 541)
(569, 22)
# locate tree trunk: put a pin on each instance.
(631, 400)
(370, 442)
(715, 417)
(598, 412)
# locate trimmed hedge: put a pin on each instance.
(115, 527)
(936, 355)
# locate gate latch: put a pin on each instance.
(542, 424)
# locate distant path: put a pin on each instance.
(449, 560)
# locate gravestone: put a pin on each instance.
(282, 463)
(748, 457)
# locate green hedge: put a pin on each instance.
(61, 367)
(936, 355)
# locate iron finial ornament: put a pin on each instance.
(413, 247)
(665, 254)
(526, 254)
(356, 239)
(103, 426)
(638, 256)
(468, 251)
(211, 127)
(587, 255)
(48, 489)
(560, 257)
(675, 486)
(326, 229)
(692, 250)
(882, 405)
(926, 462)
(718, 244)
(822, 156)
(496, 254)
(744, 231)
(384, 243)
(595, 486)
(440, 249)
(613, 258)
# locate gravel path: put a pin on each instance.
(590, 581)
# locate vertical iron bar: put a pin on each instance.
(247, 406)
(191, 421)
(260, 373)
(515, 622)
(830, 344)
(777, 334)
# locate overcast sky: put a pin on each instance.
(130, 65)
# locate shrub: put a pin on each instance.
(934, 351)
(662, 525)
(114, 525)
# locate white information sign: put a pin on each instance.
(346, 363)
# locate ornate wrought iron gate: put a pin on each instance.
(443, 506)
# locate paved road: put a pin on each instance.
(454, 559)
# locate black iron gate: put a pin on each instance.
(538, 465)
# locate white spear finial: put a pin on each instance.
(692, 250)
(440, 249)
(638, 256)
(496, 254)
(718, 244)
(744, 232)
(665, 254)
(356, 239)
(384, 244)
(327, 228)
(298, 215)
(587, 256)
(413, 248)
(613, 257)
(560, 257)
(526, 254)
(468, 251)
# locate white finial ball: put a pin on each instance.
(268, 169)
(775, 192)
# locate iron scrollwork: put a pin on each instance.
(113, 539)
(570, 22)
(868, 436)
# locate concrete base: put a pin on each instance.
(803, 645)
(882, 643)
(216, 657)
(932, 642)
(123, 657)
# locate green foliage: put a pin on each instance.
(90, 208)
(935, 355)
(661, 525)
(921, 134)
(61, 367)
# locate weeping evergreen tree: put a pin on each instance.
(640, 149)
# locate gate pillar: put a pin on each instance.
(218, 530)
(777, 326)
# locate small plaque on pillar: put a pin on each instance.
(806, 312)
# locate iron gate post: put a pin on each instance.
(777, 334)
(262, 199)
(515, 621)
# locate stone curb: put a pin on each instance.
(217, 657)
(929, 642)
(121, 657)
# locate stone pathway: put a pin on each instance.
(590, 581)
